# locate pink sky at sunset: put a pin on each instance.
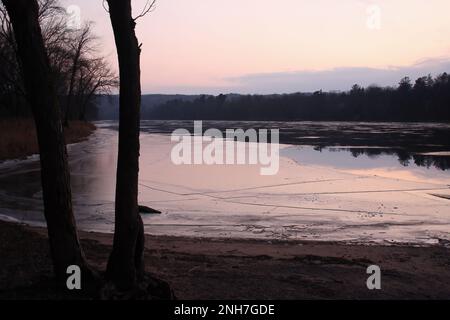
(260, 46)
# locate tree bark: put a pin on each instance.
(62, 232)
(125, 265)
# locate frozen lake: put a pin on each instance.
(337, 181)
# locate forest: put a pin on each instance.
(78, 69)
(425, 99)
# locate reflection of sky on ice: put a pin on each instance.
(383, 165)
(328, 195)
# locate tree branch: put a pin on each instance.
(149, 7)
(104, 2)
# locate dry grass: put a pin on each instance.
(18, 136)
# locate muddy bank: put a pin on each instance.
(240, 269)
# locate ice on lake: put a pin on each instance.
(324, 194)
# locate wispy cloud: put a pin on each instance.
(334, 79)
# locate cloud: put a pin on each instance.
(334, 79)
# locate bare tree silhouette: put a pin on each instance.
(41, 93)
(126, 263)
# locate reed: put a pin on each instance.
(18, 136)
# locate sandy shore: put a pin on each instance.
(241, 269)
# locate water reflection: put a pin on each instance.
(404, 157)
(412, 137)
(391, 163)
(422, 144)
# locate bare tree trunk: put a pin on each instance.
(125, 264)
(64, 243)
(71, 85)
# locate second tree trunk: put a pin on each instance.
(126, 264)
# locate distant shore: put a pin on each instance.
(240, 269)
(19, 136)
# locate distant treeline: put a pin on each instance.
(427, 99)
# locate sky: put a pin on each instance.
(262, 46)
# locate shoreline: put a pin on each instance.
(103, 235)
(199, 268)
(100, 234)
